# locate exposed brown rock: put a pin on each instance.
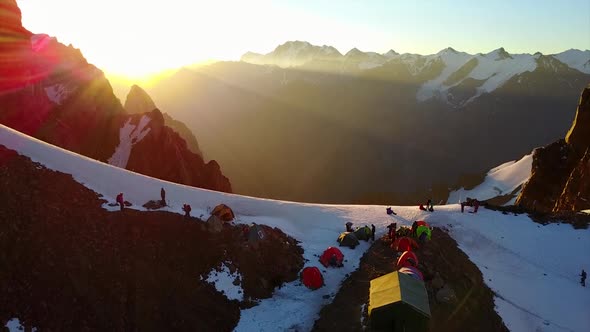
(560, 178)
(138, 101)
(66, 264)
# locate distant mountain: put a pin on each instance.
(560, 177)
(328, 131)
(49, 91)
(456, 78)
(138, 101)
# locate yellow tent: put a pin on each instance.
(398, 302)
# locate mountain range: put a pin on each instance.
(307, 123)
(455, 77)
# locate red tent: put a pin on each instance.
(414, 272)
(332, 256)
(408, 258)
(312, 277)
(421, 223)
(404, 244)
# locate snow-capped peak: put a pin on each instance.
(390, 54)
(499, 54)
(448, 50)
(354, 52)
(576, 59)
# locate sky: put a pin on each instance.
(139, 37)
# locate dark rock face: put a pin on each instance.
(560, 178)
(164, 154)
(49, 91)
(138, 101)
(579, 134)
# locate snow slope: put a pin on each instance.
(512, 252)
(499, 181)
(576, 59)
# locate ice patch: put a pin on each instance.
(14, 325)
(57, 93)
(224, 281)
(129, 135)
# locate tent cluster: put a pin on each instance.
(311, 276)
(398, 301)
(351, 237)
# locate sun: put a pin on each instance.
(135, 39)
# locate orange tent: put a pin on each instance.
(223, 212)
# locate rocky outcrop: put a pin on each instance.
(560, 178)
(162, 153)
(49, 91)
(138, 101)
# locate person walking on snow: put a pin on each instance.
(583, 278)
(390, 211)
(429, 205)
(373, 232)
(187, 210)
(121, 201)
(163, 196)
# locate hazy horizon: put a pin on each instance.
(138, 38)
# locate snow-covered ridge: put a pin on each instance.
(296, 53)
(494, 69)
(575, 59)
(535, 281)
(484, 72)
(501, 180)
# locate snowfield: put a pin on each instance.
(532, 268)
(501, 180)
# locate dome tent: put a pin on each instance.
(398, 302)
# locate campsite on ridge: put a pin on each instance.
(168, 167)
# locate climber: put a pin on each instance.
(429, 205)
(390, 211)
(163, 196)
(187, 210)
(421, 207)
(373, 232)
(583, 278)
(121, 201)
(349, 227)
(392, 229)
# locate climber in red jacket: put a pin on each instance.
(121, 201)
(187, 210)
